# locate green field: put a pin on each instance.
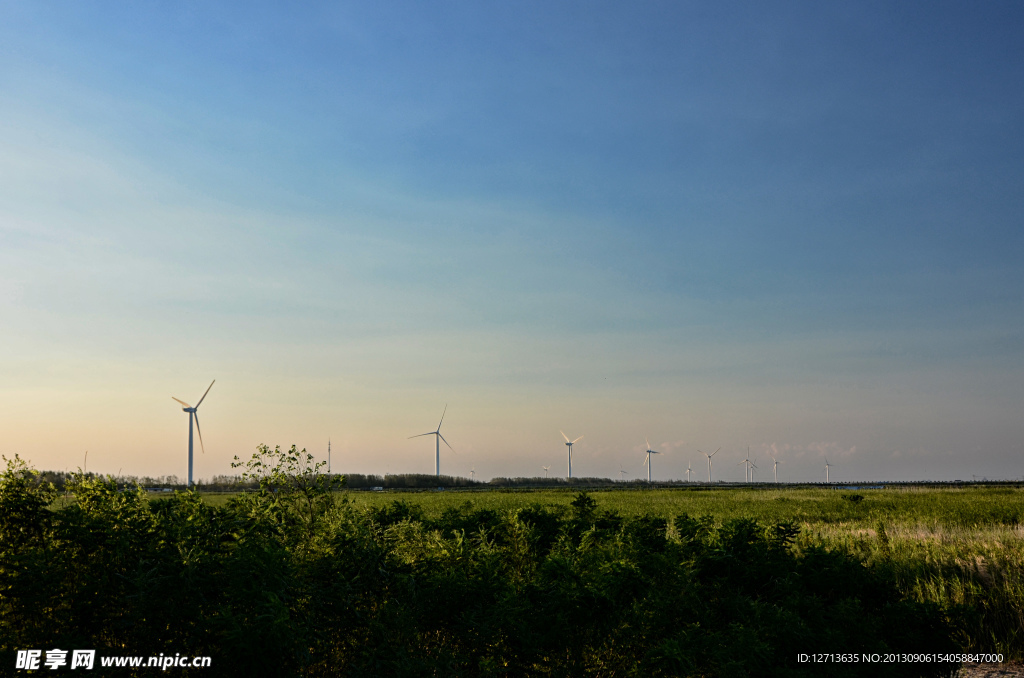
(300, 577)
(954, 546)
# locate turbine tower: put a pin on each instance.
(437, 442)
(647, 461)
(569, 444)
(688, 470)
(775, 465)
(193, 414)
(747, 475)
(826, 470)
(709, 460)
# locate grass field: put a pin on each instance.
(955, 546)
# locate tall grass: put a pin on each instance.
(958, 547)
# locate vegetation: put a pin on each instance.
(295, 578)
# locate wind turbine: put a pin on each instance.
(709, 460)
(569, 444)
(775, 466)
(688, 470)
(747, 474)
(545, 470)
(826, 470)
(647, 461)
(753, 467)
(622, 472)
(193, 414)
(437, 442)
(472, 473)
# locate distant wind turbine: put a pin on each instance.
(569, 444)
(688, 470)
(545, 470)
(647, 461)
(709, 460)
(753, 467)
(826, 470)
(775, 465)
(437, 442)
(622, 472)
(748, 468)
(472, 473)
(194, 414)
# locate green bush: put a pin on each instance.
(287, 580)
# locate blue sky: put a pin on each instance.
(792, 227)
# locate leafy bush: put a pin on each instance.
(287, 579)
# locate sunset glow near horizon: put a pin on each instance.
(795, 229)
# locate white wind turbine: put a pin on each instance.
(688, 470)
(437, 442)
(826, 470)
(546, 468)
(709, 460)
(775, 466)
(569, 444)
(472, 473)
(647, 461)
(748, 467)
(622, 472)
(753, 467)
(193, 414)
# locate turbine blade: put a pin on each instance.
(201, 446)
(446, 443)
(442, 417)
(715, 452)
(181, 401)
(648, 441)
(564, 436)
(647, 459)
(204, 395)
(577, 440)
(420, 435)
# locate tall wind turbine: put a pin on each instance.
(546, 468)
(193, 414)
(753, 467)
(569, 444)
(747, 474)
(826, 470)
(647, 461)
(709, 460)
(688, 470)
(775, 465)
(437, 442)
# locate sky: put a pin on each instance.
(794, 227)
